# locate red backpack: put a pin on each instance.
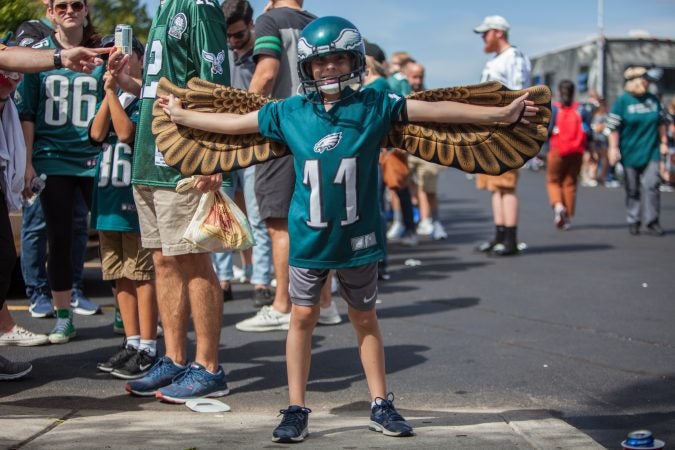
(568, 135)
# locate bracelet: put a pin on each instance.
(57, 59)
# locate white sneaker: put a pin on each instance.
(329, 315)
(21, 337)
(439, 232)
(425, 227)
(560, 216)
(267, 319)
(396, 230)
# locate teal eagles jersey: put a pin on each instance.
(113, 207)
(61, 103)
(334, 218)
(187, 40)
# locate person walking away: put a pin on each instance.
(568, 138)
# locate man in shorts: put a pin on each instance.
(187, 39)
(511, 67)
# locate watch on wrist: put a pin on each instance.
(57, 59)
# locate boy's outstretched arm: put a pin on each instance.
(455, 112)
(224, 123)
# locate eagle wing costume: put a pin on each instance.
(490, 149)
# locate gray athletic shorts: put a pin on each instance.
(274, 184)
(357, 285)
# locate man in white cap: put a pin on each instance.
(510, 67)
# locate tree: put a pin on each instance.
(104, 13)
(108, 13)
(13, 12)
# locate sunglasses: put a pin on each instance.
(237, 35)
(61, 8)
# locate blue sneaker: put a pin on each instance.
(41, 305)
(385, 419)
(195, 382)
(293, 427)
(82, 305)
(160, 375)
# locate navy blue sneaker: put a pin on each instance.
(161, 374)
(195, 382)
(41, 305)
(82, 305)
(384, 418)
(293, 427)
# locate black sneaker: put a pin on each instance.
(384, 418)
(293, 427)
(118, 359)
(655, 229)
(634, 228)
(227, 294)
(135, 367)
(262, 297)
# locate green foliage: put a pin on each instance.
(108, 13)
(104, 13)
(13, 12)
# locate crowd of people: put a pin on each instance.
(83, 126)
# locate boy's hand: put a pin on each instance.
(109, 83)
(518, 109)
(171, 105)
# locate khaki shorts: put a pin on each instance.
(424, 174)
(504, 182)
(164, 215)
(123, 257)
(357, 285)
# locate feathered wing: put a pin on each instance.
(197, 152)
(491, 149)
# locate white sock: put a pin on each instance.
(149, 345)
(133, 341)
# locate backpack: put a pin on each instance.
(570, 132)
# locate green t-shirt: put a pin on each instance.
(187, 39)
(113, 207)
(637, 119)
(61, 103)
(334, 218)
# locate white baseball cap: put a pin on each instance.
(492, 23)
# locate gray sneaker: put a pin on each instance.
(13, 370)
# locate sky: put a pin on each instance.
(439, 33)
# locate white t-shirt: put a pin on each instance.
(511, 68)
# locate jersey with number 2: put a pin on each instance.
(187, 40)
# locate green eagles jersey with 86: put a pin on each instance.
(113, 207)
(61, 103)
(334, 219)
(187, 39)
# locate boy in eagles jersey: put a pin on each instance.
(113, 214)
(334, 132)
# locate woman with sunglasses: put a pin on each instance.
(55, 108)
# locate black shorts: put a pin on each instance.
(274, 183)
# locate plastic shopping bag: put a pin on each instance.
(218, 224)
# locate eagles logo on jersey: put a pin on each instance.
(328, 143)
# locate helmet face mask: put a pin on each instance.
(323, 37)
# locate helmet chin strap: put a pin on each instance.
(333, 88)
